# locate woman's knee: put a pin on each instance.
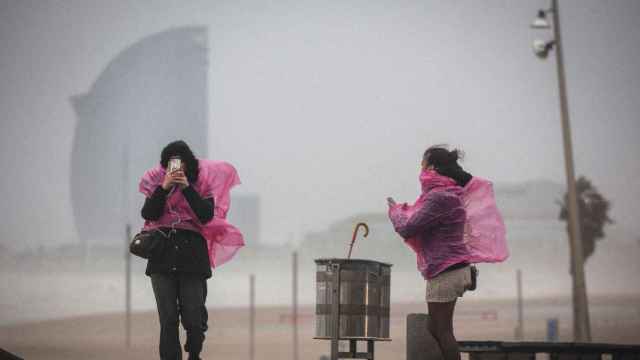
(441, 334)
(191, 317)
(168, 316)
(441, 316)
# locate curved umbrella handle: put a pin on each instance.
(355, 233)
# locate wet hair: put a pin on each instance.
(181, 149)
(445, 162)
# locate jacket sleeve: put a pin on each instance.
(154, 205)
(437, 206)
(203, 208)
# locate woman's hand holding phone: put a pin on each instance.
(167, 182)
(180, 179)
(174, 178)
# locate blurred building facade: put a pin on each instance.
(150, 94)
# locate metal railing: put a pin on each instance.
(494, 350)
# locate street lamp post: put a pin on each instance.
(581, 327)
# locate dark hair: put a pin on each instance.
(181, 149)
(445, 162)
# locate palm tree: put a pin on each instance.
(594, 214)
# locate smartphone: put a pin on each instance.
(175, 163)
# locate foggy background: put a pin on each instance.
(325, 108)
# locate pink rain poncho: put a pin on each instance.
(215, 180)
(449, 224)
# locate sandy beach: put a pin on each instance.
(614, 320)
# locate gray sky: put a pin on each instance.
(325, 106)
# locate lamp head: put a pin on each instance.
(541, 22)
(541, 48)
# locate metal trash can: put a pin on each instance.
(363, 287)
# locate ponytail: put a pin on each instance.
(445, 163)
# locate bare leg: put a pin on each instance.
(441, 326)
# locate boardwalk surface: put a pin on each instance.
(102, 336)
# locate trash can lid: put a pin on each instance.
(326, 261)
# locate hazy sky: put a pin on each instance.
(326, 106)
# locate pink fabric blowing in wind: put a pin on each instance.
(484, 233)
(215, 180)
(483, 238)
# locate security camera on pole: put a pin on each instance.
(541, 48)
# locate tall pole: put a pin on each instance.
(127, 259)
(520, 328)
(294, 317)
(252, 316)
(581, 327)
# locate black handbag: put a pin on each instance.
(147, 243)
(474, 278)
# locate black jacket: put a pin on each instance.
(184, 251)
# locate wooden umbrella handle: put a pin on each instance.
(355, 233)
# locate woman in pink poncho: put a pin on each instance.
(453, 224)
(187, 204)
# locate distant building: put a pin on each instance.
(152, 93)
(537, 242)
(382, 244)
(531, 200)
(245, 215)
